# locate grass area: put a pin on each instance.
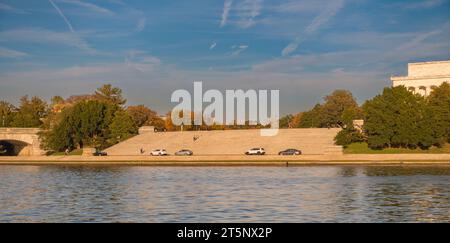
(73, 152)
(362, 148)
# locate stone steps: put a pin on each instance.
(230, 142)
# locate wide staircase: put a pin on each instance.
(231, 142)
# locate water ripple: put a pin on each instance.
(224, 194)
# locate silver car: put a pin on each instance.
(184, 152)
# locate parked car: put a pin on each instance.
(160, 129)
(158, 152)
(184, 152)
(99, 153)
(256, 151)
(290, 152)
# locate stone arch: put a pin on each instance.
(21, 141)
(15, 148)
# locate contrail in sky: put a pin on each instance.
(62, 16)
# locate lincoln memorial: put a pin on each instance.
(423, 76)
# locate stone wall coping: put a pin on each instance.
(403, 78)
(19, 130)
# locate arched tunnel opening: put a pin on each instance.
(14, 148)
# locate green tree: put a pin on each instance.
(286, 121)
(312, 118)
(85, 124)
(110, 94)
(6, 113)
(122, 127)
(439, 102)
(30, 112)
(349, 134)
(60, 136)
(398, 118)
(57, 100)
(350, 114)
(331, 112)
(335, 105)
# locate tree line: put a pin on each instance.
(338, 108)
(215, 126)
(96, 120)
(395, 118)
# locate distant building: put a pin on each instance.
(424, 76)
(146, 129)
(71, 101)
(358, 124)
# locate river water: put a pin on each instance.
(224, 194)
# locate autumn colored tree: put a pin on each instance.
(143, 116)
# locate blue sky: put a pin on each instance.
(305, 49)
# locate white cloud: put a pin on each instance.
(238, 49)
(372, 51)
(244, 13)
(88, 6)
(212, 46)
(310, 63)
(247, 11)
(301, 6)
(153, 86)
(226, 11)
(69, 25)
(417, 40)
(9, 53)
(330, 11)
(47, 37)
(119, 2)
(142, 22)
(302, 80)
(291, 47)
(424, 4)
(141, 61)
(6, 7)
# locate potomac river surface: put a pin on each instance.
(225, 194)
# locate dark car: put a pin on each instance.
(160, 129)
(184, 152)
(100, 153)
(290, 152)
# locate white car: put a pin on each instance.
(158, 152)
(255, 151)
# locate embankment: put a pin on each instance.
(234, 160)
